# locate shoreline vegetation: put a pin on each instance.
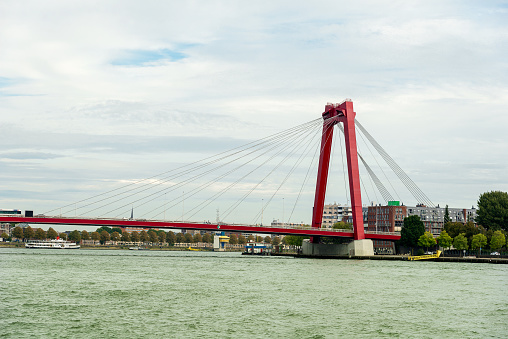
(126, 247)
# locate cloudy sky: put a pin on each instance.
(112, 91)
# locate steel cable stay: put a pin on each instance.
(341, 129)
(217, 195)
(365, 189)
(231, 208)
(259, 141)
(381, 188)
(311, 165)
(298, 161)
(203, 186)
(321, 148)
(209, 183)
(410, 185)
(179, 174)
(378, 182)
(332, 153)
(200, 188)
(162, 180)
(184, 172)
(188, 180)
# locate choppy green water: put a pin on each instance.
(149, 294)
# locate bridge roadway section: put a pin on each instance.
(287, 230)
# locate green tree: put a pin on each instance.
(179, 238)
(40, 234)
(492, 212)
(242, 240)
(135, 237)
(445, 241)
(411, 231)
(426, 240)
(208, 238)
(52, 233)
(251, 238)
(497, 241)
(275, 241)
(63, 236)
(75, 236)
(446, 218)
(116, 229)
(233, 239)
(267, 240)
(126, 237)
(162, 237)
(28, 233)
(95, 236)
(479, 240)
(295, 240)
(153, 236)
(259, 238)
(341, 225)
(17, 232)
(171, 238)
(85, 235)
(460, 242)
(115, 236)
(104, 236)
(197, 238)
(187, 238)
(104, 228)
(468, 229)
(143, 236)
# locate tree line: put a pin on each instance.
(461, 236)
(105, 234)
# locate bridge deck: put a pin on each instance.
(293, 230)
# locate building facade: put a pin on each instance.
(433, 217)
(333, 213)
(388, 218)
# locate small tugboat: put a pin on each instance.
(54, 243)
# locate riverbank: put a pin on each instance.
(404, 258)
(120, 247)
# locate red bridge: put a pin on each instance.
(333, 115)
(295, 230)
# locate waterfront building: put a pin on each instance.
(7, 228)
(433, 217)
(333, 213)
(389, 218)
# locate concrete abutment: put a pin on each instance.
(364, 247)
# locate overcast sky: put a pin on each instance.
(95, 91)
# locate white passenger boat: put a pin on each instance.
(54, 243)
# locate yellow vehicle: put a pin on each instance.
(423, 257)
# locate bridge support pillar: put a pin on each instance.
(358, 248)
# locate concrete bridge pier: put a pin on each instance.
(359, 248)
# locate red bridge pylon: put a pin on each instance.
(333, 114)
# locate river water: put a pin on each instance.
(162, 294)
